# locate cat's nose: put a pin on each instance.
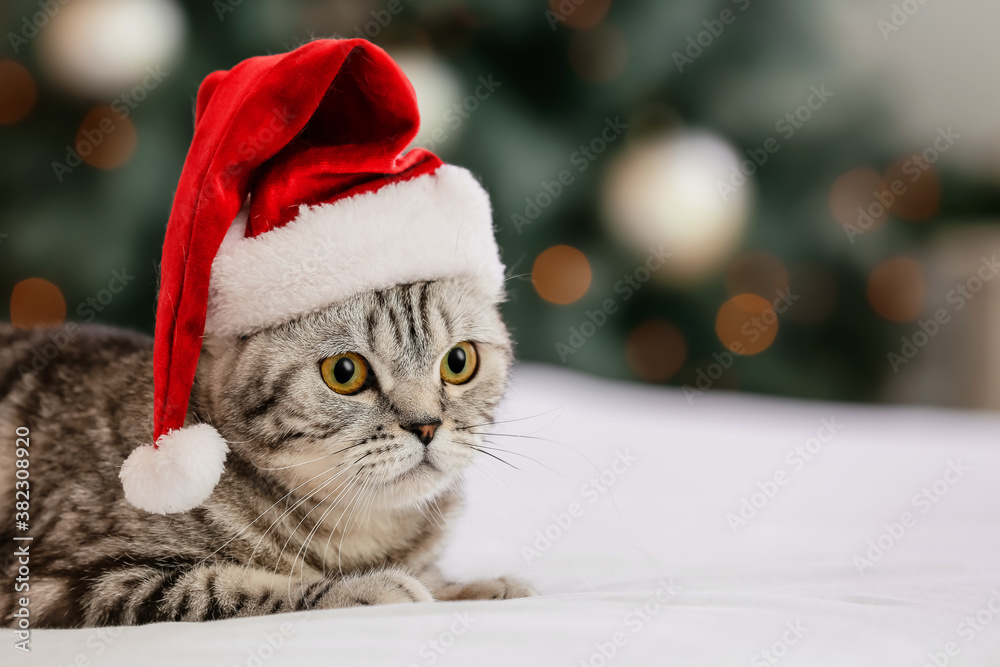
(423, 430)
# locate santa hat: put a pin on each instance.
(296, 193)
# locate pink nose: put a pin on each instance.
(424, 432)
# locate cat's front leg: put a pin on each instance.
(138, 595)
(501, 588)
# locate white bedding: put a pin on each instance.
(787, 582)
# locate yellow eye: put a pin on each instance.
(345, 373)
(459, 364)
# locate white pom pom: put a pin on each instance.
(179, 474)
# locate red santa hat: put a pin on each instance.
(296, 193)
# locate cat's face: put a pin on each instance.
(380, 398)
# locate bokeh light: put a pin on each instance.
(36, 303)
(665, 191)
(18, 92)
(561, 274)
(758, 273)
(105, 140)
(579, 14)
(438, 92)
(598, 55)
(919, 186)
(100, 48)
(858, 189)
(747, 324)
(897, 289)
(655, 350)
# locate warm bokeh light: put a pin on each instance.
(758, 273)
(665, 190)
(439, 91)
(105, 140)
(747, 324)
(858, 189)
(579, 14)
(897, 289)
(36, 303)
(815, 289)
(561, 274)
(101, 48)
(655, 350)
(919, 186)
(18, 92)
(598, 55)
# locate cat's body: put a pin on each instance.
(326, 501)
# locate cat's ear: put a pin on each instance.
(177, 473)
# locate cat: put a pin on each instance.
(330, 498)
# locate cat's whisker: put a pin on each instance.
(321, 521)
(429, 514)
(343, 487)
(540, 439)
(517, 435)
(291, 533)
(325, 456)
(509, 421)
(483, 451)
(262, 514)
(333, 529)
(343, 534)
(305, 543)
(525, 456)
(296, 504)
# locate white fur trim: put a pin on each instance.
(179, 474)
(435, 226)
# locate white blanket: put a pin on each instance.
(734, 531)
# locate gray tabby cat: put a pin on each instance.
(348, 429)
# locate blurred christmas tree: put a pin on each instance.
(671, 180)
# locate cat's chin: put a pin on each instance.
(420, 484)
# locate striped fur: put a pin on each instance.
(326, 501)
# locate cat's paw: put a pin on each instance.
(501, 588)
(377, 587)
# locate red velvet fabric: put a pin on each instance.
(328, 120)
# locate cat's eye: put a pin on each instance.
(345, 373)
(459, 364)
